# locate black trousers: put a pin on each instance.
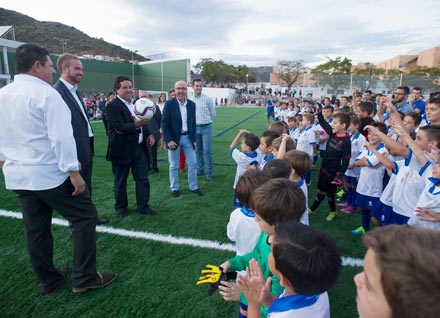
(37, 209)
(139, 169)
(152, 154)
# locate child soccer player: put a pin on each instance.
(242, 228)
(370, 186)
(275, 201)
(365, 111)
(335, 162)
(300, 164)
(277, 168)
(307, 262)
(352, 174)
(401, 276)
(307, 140)
(286, 142)
(247, 157)
(327, 112)
(266, 146)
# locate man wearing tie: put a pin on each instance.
(70, 68)
(127, 138)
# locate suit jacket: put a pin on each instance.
(154, 124)
(172, 121)
(84, 144)
(123, 136)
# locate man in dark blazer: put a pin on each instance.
(179, 131)
(70, 68)
(127, 138)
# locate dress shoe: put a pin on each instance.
(149, 212)
(197, 191)
(208, 178)
(175, 193)
(102, 221)
(100, 280)
(122, 213)
(154, 171)
(65, 272)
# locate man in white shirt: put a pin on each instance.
(205, 115)
(39, 158)
(71, 71)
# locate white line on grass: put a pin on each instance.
(346, 261)
(96, 121)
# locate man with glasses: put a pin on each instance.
(402, 104)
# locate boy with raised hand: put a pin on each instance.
(307, 262)
(335, 162)
(275, 201)
(248, 156)
(307, 140)
(401, 276)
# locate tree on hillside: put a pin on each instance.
(289, 71)
(217, 71)
(334, 73)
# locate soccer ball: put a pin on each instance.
(144, 108)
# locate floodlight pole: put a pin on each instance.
(132, 67)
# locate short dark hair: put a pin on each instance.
(329, 107)
(247, 183)
(417, 118)
(196, 80)
(251, 140)
(289, 144)
(368, 91)
(408, 259)
(354, 120)
(270, 136)
(366, 107)
(381, 126)
(343, 119)
(27, 54)
(417, 89)
(111, 93)
(119, 80)
(277, 127)
(346, 109)
(278, 200)
(435, 101)
(309, 258)
(405, 88)
(432, 133)
(277, 168)
(300, 161)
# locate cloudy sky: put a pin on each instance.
(252, 32)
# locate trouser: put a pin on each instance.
(173, 157)
(152, 155)
(37, 209)
(204, 151)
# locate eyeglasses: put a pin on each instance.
(181, 88)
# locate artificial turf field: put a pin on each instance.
(157, 279)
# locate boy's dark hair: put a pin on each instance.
(111, 93)
(409, 261)
(405, 88)
(119, 80)
(402, 114)
(354, 119)
(295, 119)
(417, 89)
(289, 144)
(277, 168)
(432, 133)
(278, 200)
(251, 140)
(381, 126)
(300, 161)
(270, 136)
(366, 107)
(247, 183)
(309, 117)
(346, 109)
(309, 258)
(299, 116)
(343, 119)
(435, 101)
(329, 107)
(277, 127)
(368, 91)
(417, 118)
(27, 54)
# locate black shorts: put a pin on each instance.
(270, 114)
(325, 182)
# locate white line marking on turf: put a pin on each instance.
(96, 121)
(346, 261)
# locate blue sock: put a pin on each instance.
(349, 194)
(308, 176)
(353, 197)
(315, 158)
(366, 216)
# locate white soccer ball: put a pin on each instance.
(144, 108)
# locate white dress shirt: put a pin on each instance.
(130, 107)
(205, 110)
(184, 115)
(36, 141)
(72, 89)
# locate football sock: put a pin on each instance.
(331, 202)
(366, 216)
(318, 199)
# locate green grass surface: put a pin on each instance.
(156, 279)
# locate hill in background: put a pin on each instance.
(51, 35)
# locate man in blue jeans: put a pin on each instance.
(205, 115)
(179, 132)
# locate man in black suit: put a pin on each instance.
(70, 68)
(127, 138)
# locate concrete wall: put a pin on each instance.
(429, 58)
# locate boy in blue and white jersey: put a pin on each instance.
(266, 147)
(327, 113)
(249, 156)
(307, 140)
(306, 277)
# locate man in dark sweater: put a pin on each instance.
(335, 162)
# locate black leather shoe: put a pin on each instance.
(150, 212)
(102, 221)
(122, 213)
(175, 193)
(100, 280)
(65, 272)
(197, 191)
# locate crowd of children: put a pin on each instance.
(385, 161)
